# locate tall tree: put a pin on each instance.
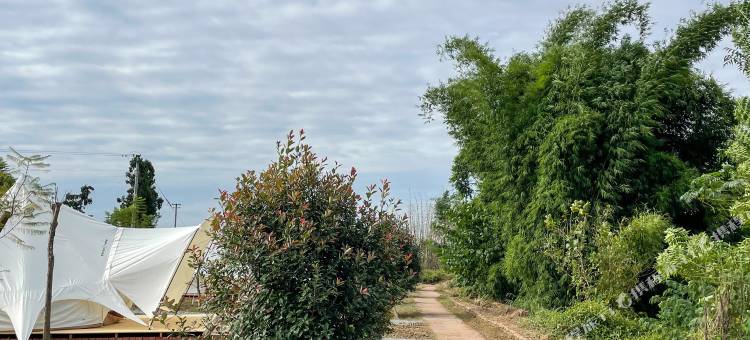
(79, 201)
(592, 115)
(142, 171)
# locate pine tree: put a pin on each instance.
(146, 189)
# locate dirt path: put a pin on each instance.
(443, 323)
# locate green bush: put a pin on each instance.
(434, 276)
(300, 255)
(717, 277)
(470, 248)
(604, 260)
(603, 322)
(633, 249)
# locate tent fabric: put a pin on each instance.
(97, 266)
(66, 314)
(183, 282)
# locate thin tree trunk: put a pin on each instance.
(50, 271)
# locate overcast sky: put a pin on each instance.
(204, 89)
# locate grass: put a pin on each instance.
(407, 310)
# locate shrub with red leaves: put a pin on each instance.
(300, 255)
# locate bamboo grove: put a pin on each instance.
(587, 161)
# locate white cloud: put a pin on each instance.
(204, 89)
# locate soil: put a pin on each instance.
(443, 323)
(432, 313)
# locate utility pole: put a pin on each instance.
(176, 206)
(137, 158)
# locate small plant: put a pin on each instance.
(300, 255)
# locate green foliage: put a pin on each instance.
(679, 311)
(623, 255)
(79, 201)
(740, 55)
(591, 115)
(721, 272)
(123, 217)
(18, 213)
(469, 251)
(607, 322)
(600, 259)
(300, 255)
(434, 276)
(570, 246)
(727, 191)
(428, 254)
(6, 180)
(146, 188)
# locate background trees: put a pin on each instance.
(614, 159)
(140, 206)
(593, 115)
(299, 254)
(79, 201)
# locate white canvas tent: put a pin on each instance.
(97, 268)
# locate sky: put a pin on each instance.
(204, 89)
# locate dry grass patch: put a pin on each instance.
(407, 322)
(417, 331)
(407, 310)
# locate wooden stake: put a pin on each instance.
(50, 271)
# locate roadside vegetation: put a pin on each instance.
(601, 180)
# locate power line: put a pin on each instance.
(72, 153)
(174, 206)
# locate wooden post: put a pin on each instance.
(50, 271)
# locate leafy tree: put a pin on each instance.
(19, 210)
(468, 250)
(740, 55)
(146, 189)
(17, 202)
(79, 201)
(592, 115)
(123, 217)
(6, 180)
(300, 255)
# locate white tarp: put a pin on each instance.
(96, 265)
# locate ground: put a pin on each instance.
(430, 313)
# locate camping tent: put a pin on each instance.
(98, 267)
